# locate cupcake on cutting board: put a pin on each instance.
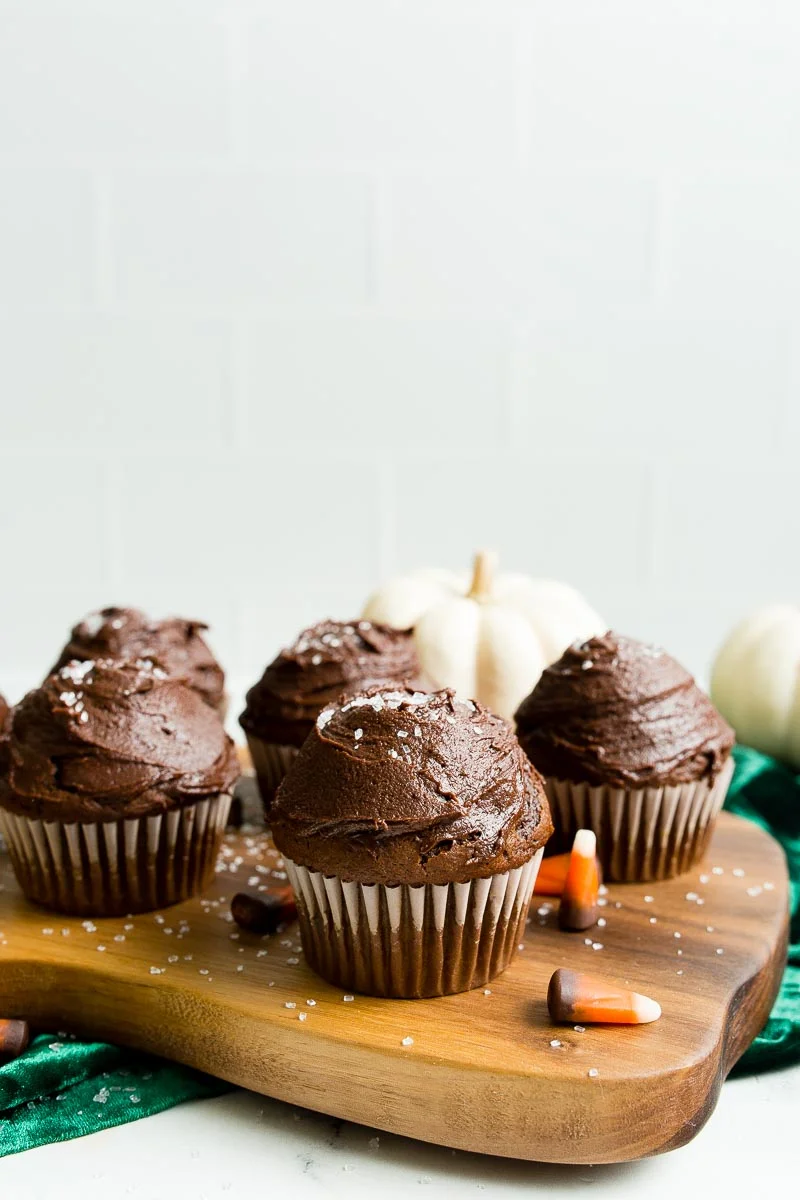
(412, 826)
(325, 661)
(631, 747)
(6, 713)
(176, 643)
(117, 790)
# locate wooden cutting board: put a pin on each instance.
(484, 1071)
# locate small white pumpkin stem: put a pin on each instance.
(483, 569)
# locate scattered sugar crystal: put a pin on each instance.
(648, 899)
(47, 932)
(359, 733)
(407, 1041)
(709, 928)
(173, 958)
(290, 1004)
(597, 945)
(769, 887)
(601, 921)
(738, 872)
(593, 1072)
(690, 896)
(754, 891)
(705, 878)
(311, 1003)
(119, 937)
(487, 991)
(720, 950)
(717, 871)
(101, 948)
(348, 999)
(579, 1028)
(156, 970)
(302, 1016)
(653, 920)
(555, 1043)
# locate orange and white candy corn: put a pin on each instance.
(579, 898)
(581, 999)
(553, 875)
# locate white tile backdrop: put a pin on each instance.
(297, 294)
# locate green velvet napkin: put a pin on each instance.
(60, 1088)
(769, 794)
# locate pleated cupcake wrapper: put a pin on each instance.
(412, 941)
(271, 762)
(644, 834)
(112, 868)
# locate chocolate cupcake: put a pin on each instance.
(326, 661)
(632, 748)
(177, 645)
(6, 713)
(117, 791)
(412, 826)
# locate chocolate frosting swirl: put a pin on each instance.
(615, 711)
(128, 633)
(395, 786)
(327, 660)
(106, 740)
(6, 713)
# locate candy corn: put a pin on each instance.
(553, 875)
(14, 1036)
(579, 898)
(575, 998)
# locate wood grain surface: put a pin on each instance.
(484, 1071)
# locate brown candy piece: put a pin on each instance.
(263, 914)
(14, 1038)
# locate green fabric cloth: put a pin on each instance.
(60, 1088)
(768, 793)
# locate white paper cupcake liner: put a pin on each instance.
(112, 868)
(644, 834)
(271, 762)
(411, 942)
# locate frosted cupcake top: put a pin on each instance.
(615, 711)
(104, 740)
(128, 633)
(327, 660)
(397, 786)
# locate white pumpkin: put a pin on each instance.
(755, 682)
(489, 637)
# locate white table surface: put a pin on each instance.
(243, 1145)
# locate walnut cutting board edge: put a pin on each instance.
(481, 1071)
